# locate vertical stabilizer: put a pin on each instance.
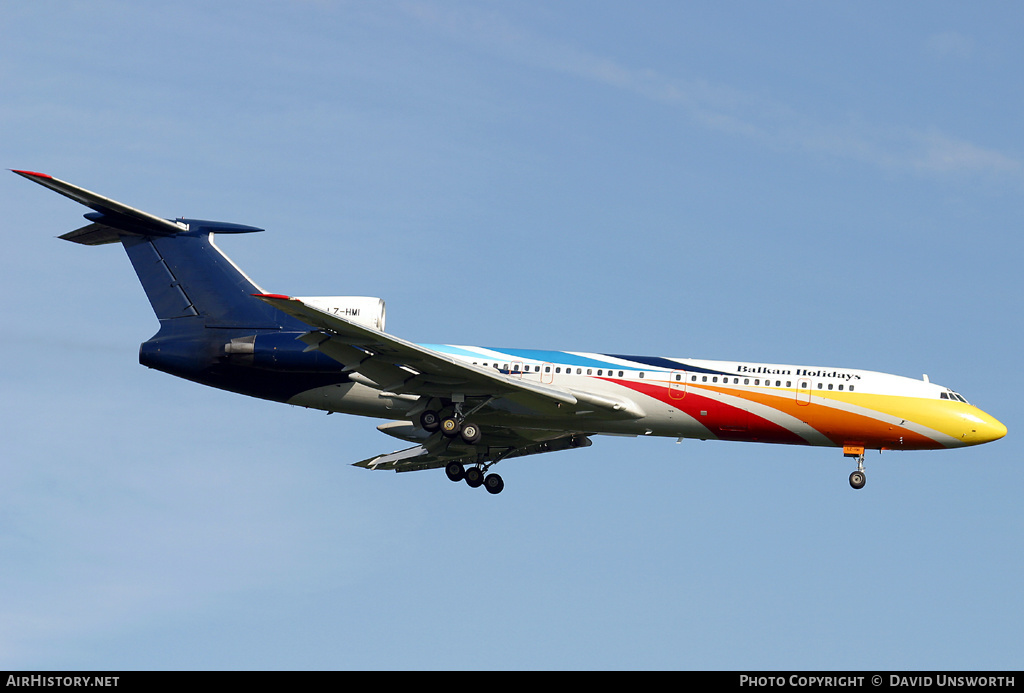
(187, 276)
(187, 279)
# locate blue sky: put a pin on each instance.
(817, 183)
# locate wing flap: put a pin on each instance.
(408, 460)
(421, 457)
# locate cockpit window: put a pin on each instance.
(949, 394)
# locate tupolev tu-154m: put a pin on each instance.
(466, 408)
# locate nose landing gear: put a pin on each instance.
(857, 478)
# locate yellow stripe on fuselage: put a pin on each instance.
(878, 421)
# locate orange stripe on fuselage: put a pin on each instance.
(839, 426)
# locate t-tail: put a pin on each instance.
(205, 303)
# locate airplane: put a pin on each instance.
(467, 408)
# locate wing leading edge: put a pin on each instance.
(395, 365)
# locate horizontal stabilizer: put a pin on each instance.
(93, 234)
(112, 214)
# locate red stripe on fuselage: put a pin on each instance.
(725, 421)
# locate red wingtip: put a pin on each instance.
(31, 173)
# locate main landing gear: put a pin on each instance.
(456, 426)
(452, 426)
(474, 476)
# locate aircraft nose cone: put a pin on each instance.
(993, 430)
(983, 428)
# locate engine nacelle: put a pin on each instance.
(278, 351)
(364, 310)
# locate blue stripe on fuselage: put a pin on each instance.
(532, 355)
(566, 358)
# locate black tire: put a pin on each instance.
(471, 433)
(430, 420)
(858, 479)
(454, 471)
(451, 426)
(494, 483)
(474, 477)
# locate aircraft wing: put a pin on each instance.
(394, 365)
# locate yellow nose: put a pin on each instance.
(980, 428)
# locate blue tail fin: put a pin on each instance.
(212, 329)
(186, 277)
